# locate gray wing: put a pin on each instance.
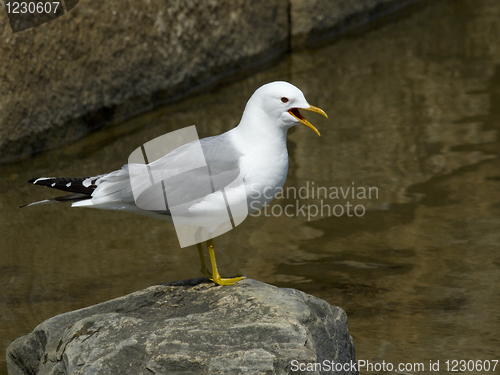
(222, 160)
(182, 177)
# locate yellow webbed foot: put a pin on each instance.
(214, 276)
(227, 281)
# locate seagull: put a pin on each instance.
(254, 152)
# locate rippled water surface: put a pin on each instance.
(414, 113)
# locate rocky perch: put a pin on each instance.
(189, 327)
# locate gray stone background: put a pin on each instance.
(106, 61)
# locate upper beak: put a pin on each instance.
(295, 113)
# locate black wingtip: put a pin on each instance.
(70, 184)
(37, 181)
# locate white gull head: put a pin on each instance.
(275, 106)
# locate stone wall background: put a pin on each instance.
(106, 61)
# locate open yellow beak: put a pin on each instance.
(295, 113)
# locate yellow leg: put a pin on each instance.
(204, 268)
(216, 277)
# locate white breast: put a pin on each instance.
(264, 168)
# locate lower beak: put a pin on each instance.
(295, 113)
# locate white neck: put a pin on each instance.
(256, 133)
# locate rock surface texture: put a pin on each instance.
(189, 327)
(313, 20)
(105, 61)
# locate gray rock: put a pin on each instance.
(189, 327)
(313, 20)
(106, 61)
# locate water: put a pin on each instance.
(414, 112)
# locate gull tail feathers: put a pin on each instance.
(76, 197)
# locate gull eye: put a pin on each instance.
(284, 100)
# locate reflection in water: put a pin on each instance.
(414, 111)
